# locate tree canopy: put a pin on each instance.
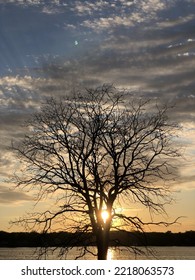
(94, 151)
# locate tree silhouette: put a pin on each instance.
(93, 152)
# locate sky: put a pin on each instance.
(49, 47)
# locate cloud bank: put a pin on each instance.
(146, 46)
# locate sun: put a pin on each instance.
(105, 215)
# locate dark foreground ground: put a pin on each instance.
(64, 239)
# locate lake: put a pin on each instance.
(162, 253)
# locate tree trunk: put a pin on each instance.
(102, 253)
(102, 244)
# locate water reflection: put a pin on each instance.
(110, 254)
(163, 253)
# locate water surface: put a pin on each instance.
(163, 253)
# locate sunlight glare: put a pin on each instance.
(110, 254)
(104, 215)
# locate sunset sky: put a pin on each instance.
(49, 47)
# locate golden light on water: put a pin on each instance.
(110, 254)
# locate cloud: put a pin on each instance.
(47, 6)
(169, 22)
(124, 13)
(145, 46)
(92, 13)
(18, 94)
(96, 8)
(21, 2)
(8, 196)
(24, 82)
(29, 2)
(154, 62)
(103, 23)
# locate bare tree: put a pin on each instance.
(92, 152)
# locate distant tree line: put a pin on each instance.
(122, 238)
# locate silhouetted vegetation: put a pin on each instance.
(63, 239)
(92, 152)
